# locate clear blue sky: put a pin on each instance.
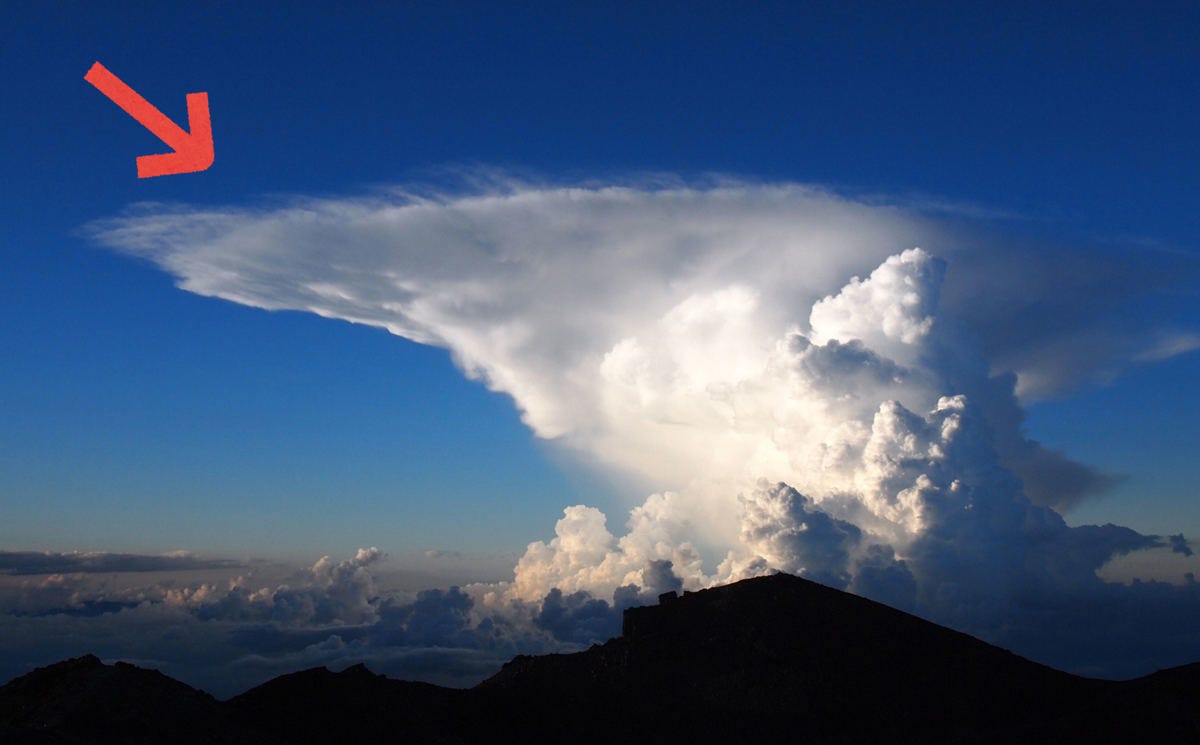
(134, 416)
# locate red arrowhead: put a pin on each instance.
(193, 150)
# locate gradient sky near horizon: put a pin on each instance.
(140, 418)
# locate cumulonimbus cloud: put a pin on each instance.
(586, 304)
(806, 390)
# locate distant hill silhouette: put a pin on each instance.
(773, 659)
(83, 701)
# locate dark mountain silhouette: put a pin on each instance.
(83, 701)
(773, 659)
(318, 706)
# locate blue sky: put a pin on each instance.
(1046, 151)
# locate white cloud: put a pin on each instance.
(583, 555)
(702, 340)
(616, 316)
(784, 529)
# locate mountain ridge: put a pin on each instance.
(769, 659)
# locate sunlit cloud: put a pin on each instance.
(807, 382)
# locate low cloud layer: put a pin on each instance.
(227, 636)
(47, 562)
(801, 386)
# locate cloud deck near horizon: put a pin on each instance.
(99, 562)
(805, 390)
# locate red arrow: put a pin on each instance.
(193, 151)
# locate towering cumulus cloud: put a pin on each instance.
(802, 388)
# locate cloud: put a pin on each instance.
(617, 315)
(583, 555)
(436, 618)
(515, 278)
(227, 638)
(800, 386)
(783, 527)
(1179, 544)
(330, 593)
(1169, 345)
(46, 562)
(70, 594)
(893, 434)
(578, 617)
